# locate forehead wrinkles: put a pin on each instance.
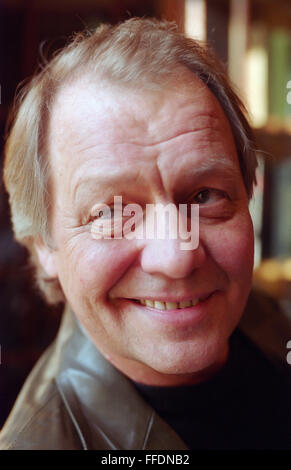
(131, 109)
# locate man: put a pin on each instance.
(149, 355)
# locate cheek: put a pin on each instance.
(94, 266)
(232, 247)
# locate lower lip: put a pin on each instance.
(182, 317)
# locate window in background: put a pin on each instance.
(195, 19)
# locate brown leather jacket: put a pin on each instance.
(75, 399)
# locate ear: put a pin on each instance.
(46, 257)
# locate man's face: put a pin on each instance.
(172, 145)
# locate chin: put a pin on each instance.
(190, 358)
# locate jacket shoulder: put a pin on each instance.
(39, 419)
(46, 427)
(268, 326)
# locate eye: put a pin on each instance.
(209, 196)
(101, 214)
(107, 220)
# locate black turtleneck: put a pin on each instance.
(246, 405)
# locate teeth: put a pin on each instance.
(168, 305)
(171, 305)
(160, 305)
(185, 303)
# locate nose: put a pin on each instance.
(166, 257)
(172, 257)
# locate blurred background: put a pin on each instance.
(253, 39)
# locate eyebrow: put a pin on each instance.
(102, 181)
(218, 164)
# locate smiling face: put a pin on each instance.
(172, 145)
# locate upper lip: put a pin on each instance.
(176, 298)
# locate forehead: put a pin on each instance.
(134, 108)
(113, 126)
